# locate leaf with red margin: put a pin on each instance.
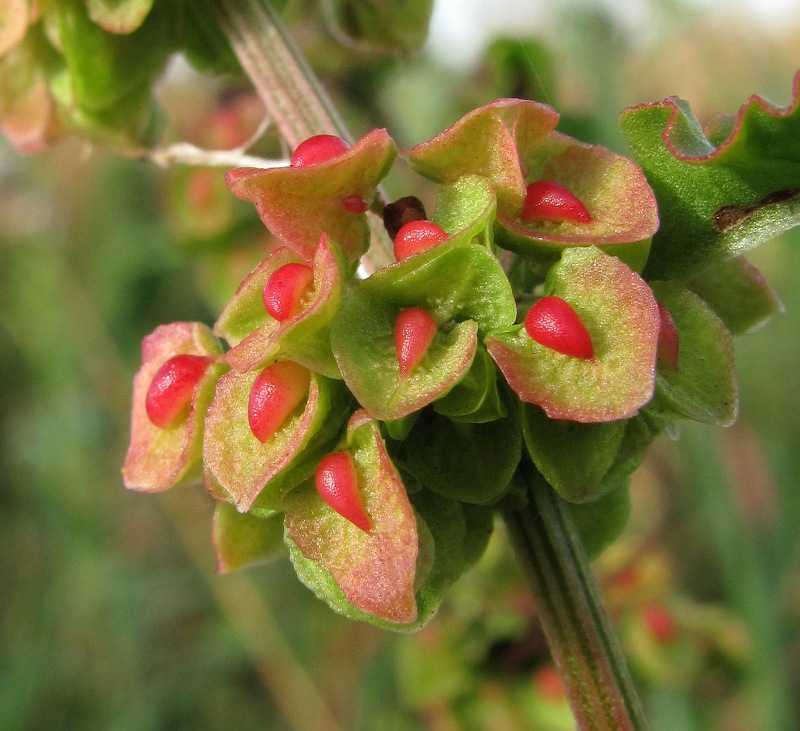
(299, 204)
(374, 570)
(621, 316)
(721, 191)
(486, 142)
(242, 540)
(241, 465)
(257, 338)
(159, 458)
(613, 189)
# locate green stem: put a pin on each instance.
(582, 641)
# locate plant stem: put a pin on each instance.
(583, 644)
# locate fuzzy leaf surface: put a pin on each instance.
(721, 191)
(242, 540)
(620, 313)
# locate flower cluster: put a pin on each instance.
(373, 424)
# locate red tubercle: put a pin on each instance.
(414, 331)
(285, 288)
(172, 387)
(336, 480)
(318, 149)
(277, 391)
(668, 347)
(553, 323)
(416, 236)
(546, 200)
(660, 623)
(354, 204)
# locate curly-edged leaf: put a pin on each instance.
(379, 26)
(119, 16)
(375, 570)
(363, 340)
(257, 337)
(243, 465)
(620, 314)
(616, 310)
(721, 191)
(703, 386)
(159, 458)
(473, 463)
(106, 67)
(27, 110)
(571, 456)
(475, 399)
(299, 204)
(600, 522)
(466, 208)
(242, 540)
(485, 142)
(738, 293)
(453, 281)
(614, 191)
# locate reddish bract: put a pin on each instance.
(318, 149)
(337, 484)
(284, 290)
(276, 392)
(414, 331)
(416, 236)
(553, 323)
(546, 200)
(172, 387)
(668, 340)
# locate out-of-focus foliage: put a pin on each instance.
(110, 613)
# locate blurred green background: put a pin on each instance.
(111, 614)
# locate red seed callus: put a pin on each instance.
(172, 387)
(354, 204)
(416, 236)
(546, 200)
(553, 323)
(276, 392)
(318, 149)
(336, 480)
(414, 331)
(285, 288)
(668, 340)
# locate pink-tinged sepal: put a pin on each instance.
(181, 362)
(299, 204)
(375, 568)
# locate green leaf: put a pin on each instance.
(242, 540)
(453, 281)
(299, 205)
(159, 458)
(738, 293)
(304, 338)
(600, 522)
(722, 191)
(476, 398)
(379, 26)
(362, 336)
(703, 387)
(241, 464)
(119, 16)
(619, 311)
(473, 463)
(203, 42)
(571, 456)
(374, 570)
(466, 209)
(104, 67)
